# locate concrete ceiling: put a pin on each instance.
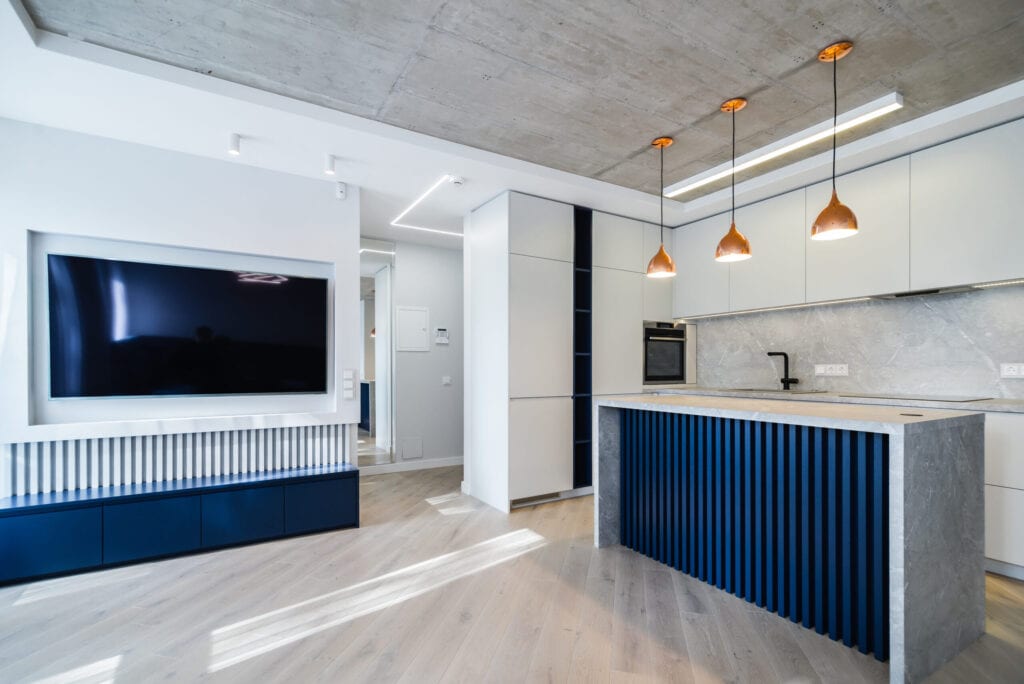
(580, 87)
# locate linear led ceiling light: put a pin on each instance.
(376, 251)
(854, 117)
(397, 221)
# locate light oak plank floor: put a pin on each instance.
(437, 587)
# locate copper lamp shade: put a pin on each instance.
(835, 222)
(661, 265)
(733, 247)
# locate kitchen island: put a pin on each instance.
(865, 523)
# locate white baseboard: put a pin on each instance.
(403, 466)
(465, 488)
(1000, 568)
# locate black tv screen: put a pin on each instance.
(129, 329)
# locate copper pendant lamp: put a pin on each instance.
(836, 221)
(734, 246)
(661, 264)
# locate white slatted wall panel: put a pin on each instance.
(39, 467)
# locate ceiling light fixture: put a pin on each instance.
(329, 164)
(836, 221)
(376, 251)
(734, 246)
(235, 145)
(661, 264)
(855, 117)
(397, 221)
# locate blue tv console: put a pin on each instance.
(70, 531)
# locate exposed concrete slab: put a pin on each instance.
(576, 86)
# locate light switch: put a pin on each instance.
(348, 374)
(347, 384)
(446, 380)
(348, 394)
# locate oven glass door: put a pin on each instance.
(664, 357)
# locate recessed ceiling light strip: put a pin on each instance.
(376, 251)
(854, 117)
(396, 222)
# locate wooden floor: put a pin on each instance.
(436, 587)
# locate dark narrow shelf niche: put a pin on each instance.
(582, 346)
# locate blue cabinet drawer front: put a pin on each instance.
(45, 543)
(323, 505)
(243, 515)
(148, 529)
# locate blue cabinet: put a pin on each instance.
(68, 531)
(149, 529)
(48, 543)
(313, 506)
(244, 515)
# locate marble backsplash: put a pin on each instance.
(944, 344)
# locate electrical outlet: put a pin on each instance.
(820, 369)
(832, 369)
(1011, 370)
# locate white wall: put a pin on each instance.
(428, 415)
(53, 181)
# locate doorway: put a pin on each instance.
(376, 426)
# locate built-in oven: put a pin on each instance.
(670, 353)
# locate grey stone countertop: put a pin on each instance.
(888, 419)
(987, 405)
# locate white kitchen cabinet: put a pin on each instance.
(540, 446)
(617, 360)
(619, 243)
(657, 291)
(540, 327)
(540, 227)
(774, 276)
(1004, 452)
(965, 209)
(701, 285)
(1004, 511)
(877, 259)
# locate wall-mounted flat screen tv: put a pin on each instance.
(130, 329)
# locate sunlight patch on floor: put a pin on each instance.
(100, 672)
(249, 638)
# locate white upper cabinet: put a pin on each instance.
(617, 360)
(701, 285)
(965, 199)
(657, 291)
(540, 327)
(774, 276)
(540, 227)
(877, 259)
(619, 243)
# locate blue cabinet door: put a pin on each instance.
(243, 515)
(149, 529)
(323, 505)
(46, 543)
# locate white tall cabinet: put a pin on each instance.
(518, 264)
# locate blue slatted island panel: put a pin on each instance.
(792, 518)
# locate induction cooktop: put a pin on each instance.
(917, 397)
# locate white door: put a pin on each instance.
(540, 327)
(701, 285)
(877, 259)
(540, 446)
(774, 276)
(618, 331)
(965, 209)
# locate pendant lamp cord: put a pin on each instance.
(661, 196)
(835, 118)
(732, 215)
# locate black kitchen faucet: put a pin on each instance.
(786, 380)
